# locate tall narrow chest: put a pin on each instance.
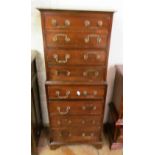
(76, 48)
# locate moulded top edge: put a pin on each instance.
(78, 10)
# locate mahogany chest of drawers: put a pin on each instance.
(76, 47)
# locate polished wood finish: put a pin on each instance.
(80, 135)
(87, 73)
(76, 92)
(83, 57)
(75, 20)
(76, 47)
(65, 108)
(76, 39)
(75, 121)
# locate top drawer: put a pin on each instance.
(67, 20)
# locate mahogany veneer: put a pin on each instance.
(76, 47)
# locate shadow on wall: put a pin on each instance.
(110, 80)
(41, 80)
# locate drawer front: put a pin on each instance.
(76, 91)
(76, 40)
(60, 73)
(64, 108)
(76, 57)
(79, 135)
(75, 121)
(62, 20)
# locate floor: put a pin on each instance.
(44, 149)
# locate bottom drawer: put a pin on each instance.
(76, 135)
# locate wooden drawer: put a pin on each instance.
(73, 20)
(76, 57)
(84, 107)
(76, 39)
(74, 121)
(60, 73)
(76, 91)
(76, 135)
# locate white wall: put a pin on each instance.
(115, 56)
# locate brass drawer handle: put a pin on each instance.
(55, 24)
(85, 93)
(86, 73)
(89, 107)
(99, 23)
(86, 56)
(65, 72)
(63, 112)
(63, 97)
(64, 121)
(65, 134)
(67, 56)
(87, 23)
(67, 22)
(87, 39)
(55, 38)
